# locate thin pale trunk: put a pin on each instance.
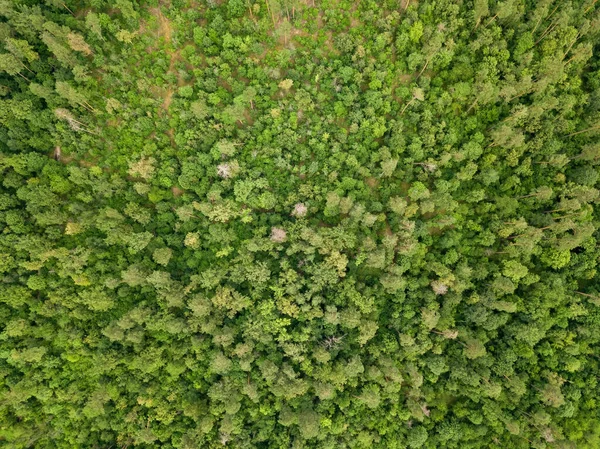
(250, 9)
(590, 7)
(406, 105)
(423, 69)
(67, 8)
(86, 107)
(89, 106)
(28, 69)
(587, 295)
(77, 121)
(23, 76)
(583, 131)
(521, 94)
(571, 215)
(571, 46)
(490, 21)
(472, 105)
(546, 33)
(514, 98)
(270, 12)
(540, 21)
(570, 59)
(89, 132)
(559, 210)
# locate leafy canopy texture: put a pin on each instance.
(299, 224)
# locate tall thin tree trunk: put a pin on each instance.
(583, 131)
(270, 12)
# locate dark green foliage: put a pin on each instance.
(286, 224)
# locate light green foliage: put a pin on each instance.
(416, 31)
(555, 258)
(138, 241)
(299, 224)
(514, 270)
(474, 348)
(418, 191)
(308, 423)
(220, 364)
(417, 437)
(162, 256)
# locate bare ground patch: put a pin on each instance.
(372, 182)
(167, 99)
(165, 28)
(177, 191)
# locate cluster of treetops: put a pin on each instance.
(299, 224)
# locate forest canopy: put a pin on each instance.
(299, 224)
